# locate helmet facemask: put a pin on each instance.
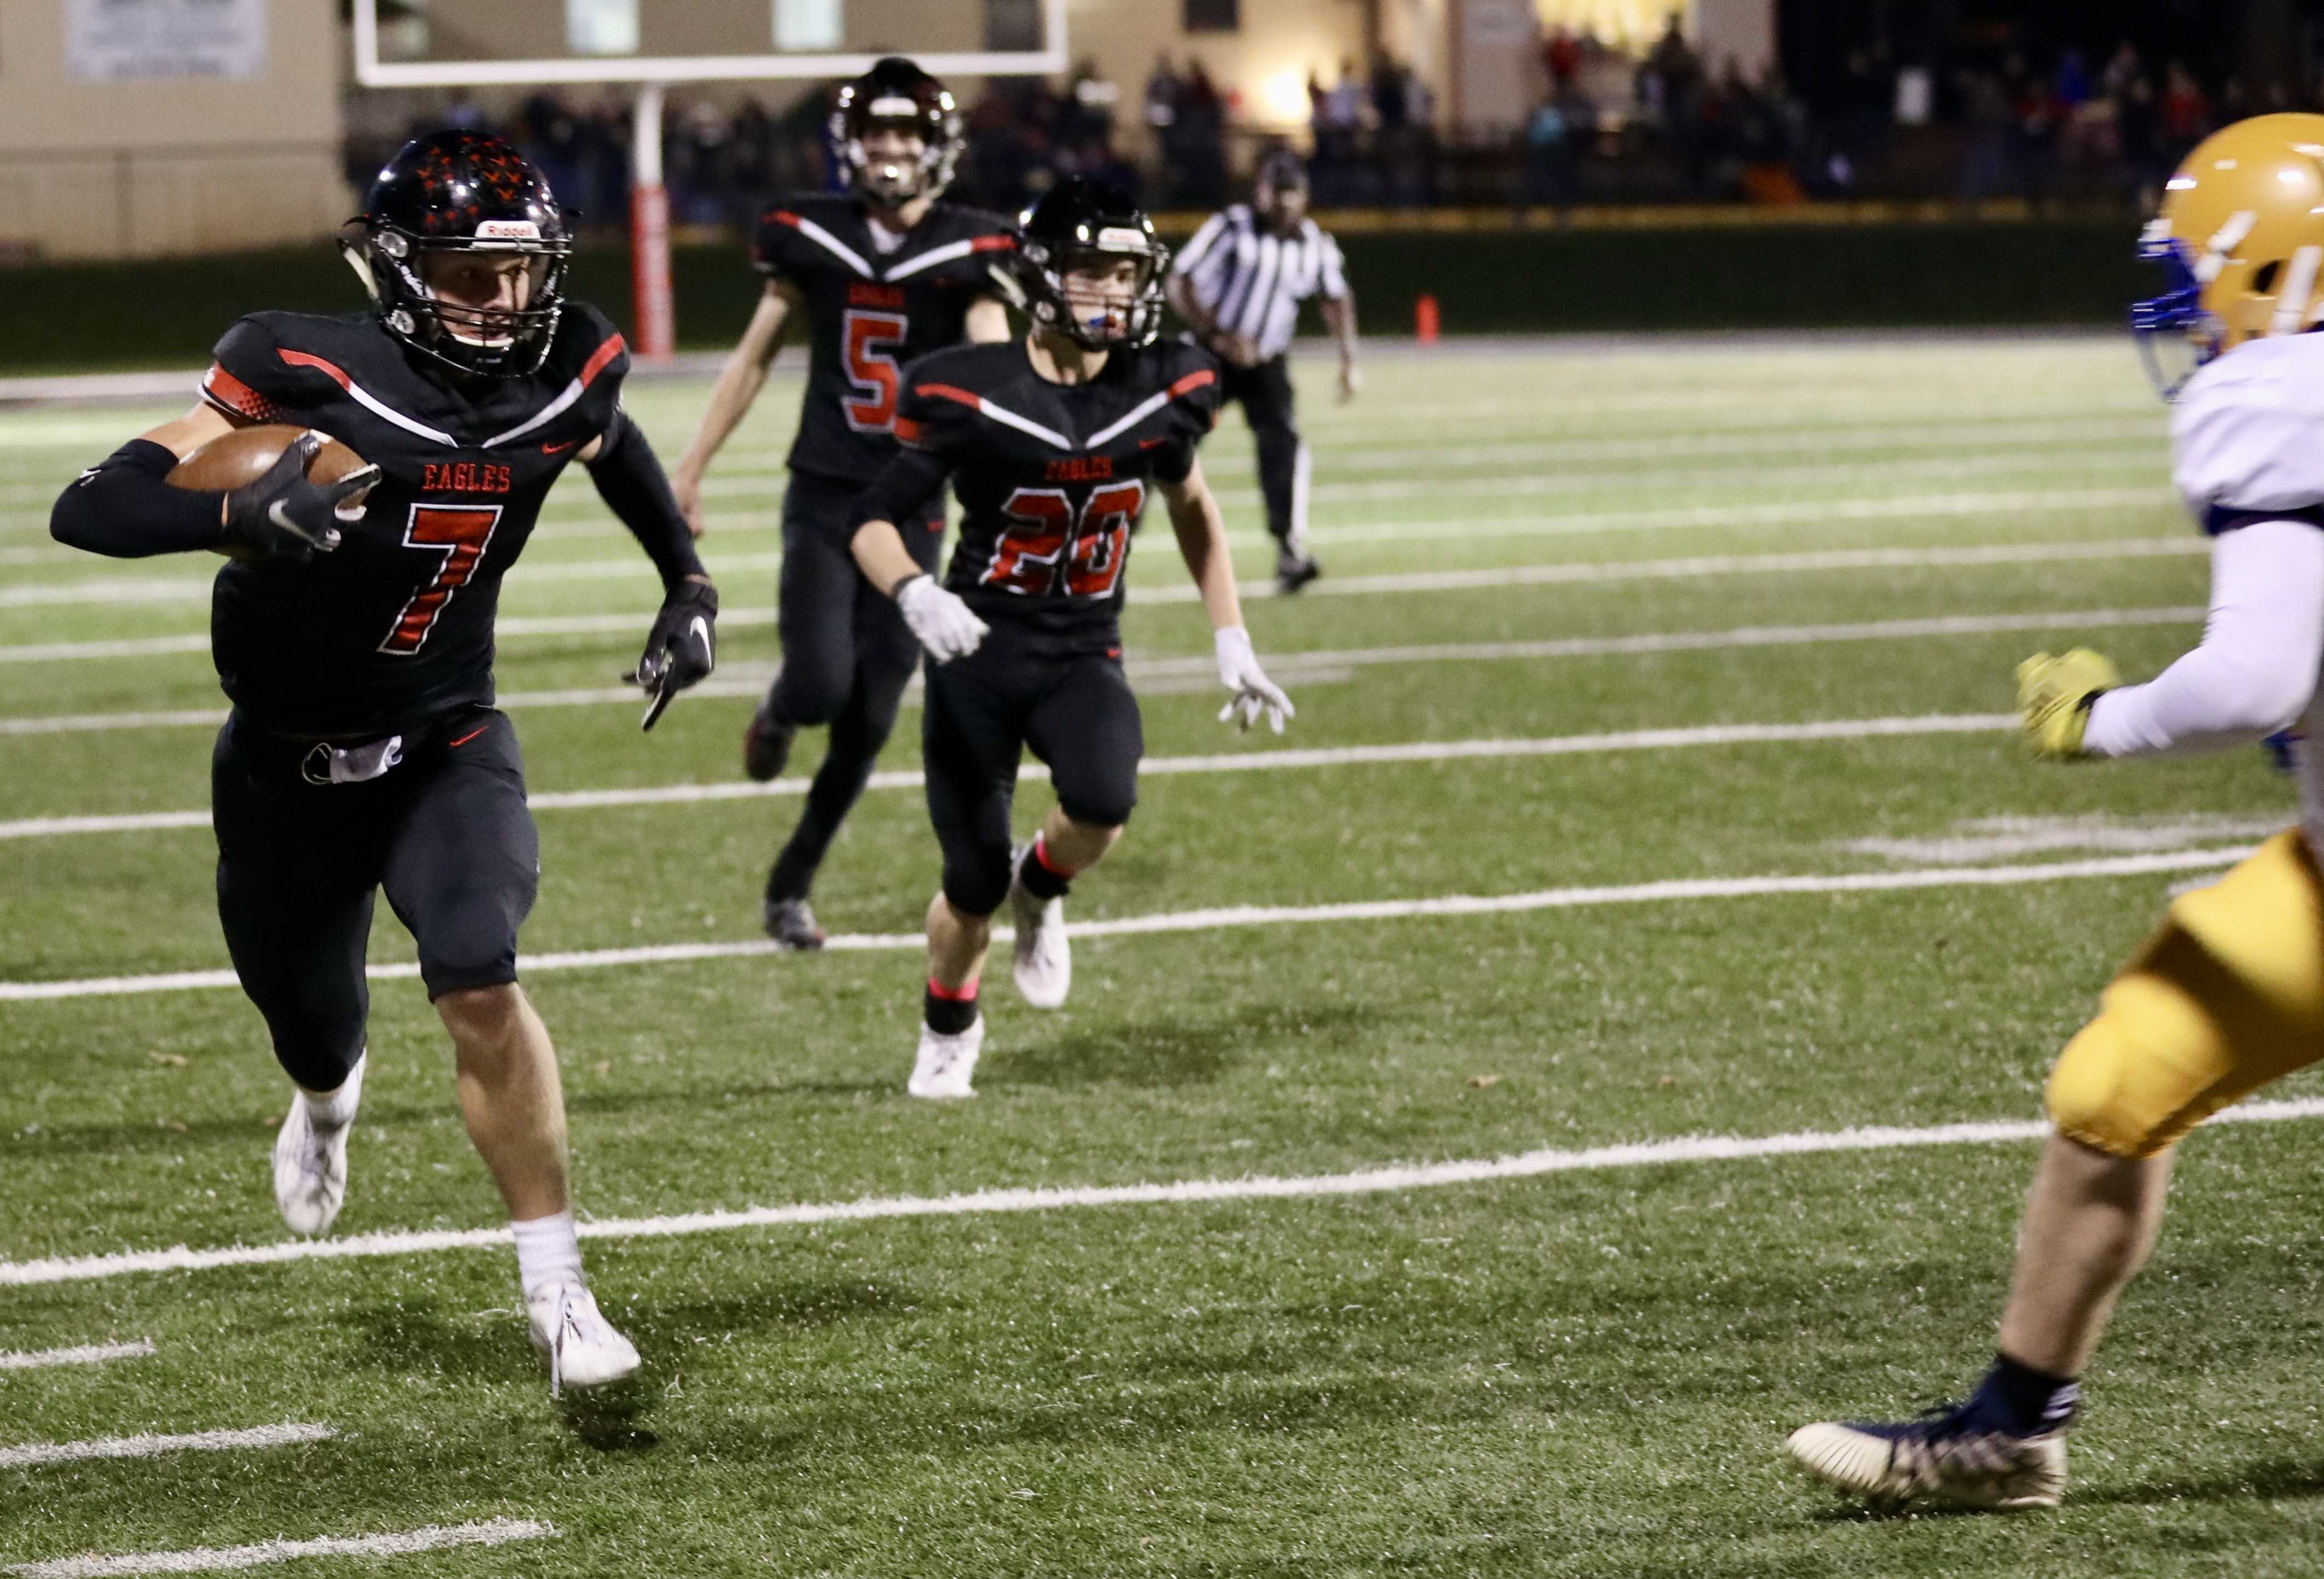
(1121, 308)
(896, 96)
(2240, 243)
(472, 339)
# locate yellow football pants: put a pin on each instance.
(2227, 996)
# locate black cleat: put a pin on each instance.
(1294, 570)
(791, 924)
(767, 745)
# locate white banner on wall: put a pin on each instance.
(112, 40)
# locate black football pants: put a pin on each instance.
(1265, 394)
(446, 832)
(847, 656)
(1076, 712)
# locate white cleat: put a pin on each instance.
(1943, 1460)
(946, 1063)
(582, 1348)
(1044, 963)
(310, 1161)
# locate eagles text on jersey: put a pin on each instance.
(1052, 478)
(870, 313)
(396, 626)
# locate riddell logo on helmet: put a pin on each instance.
(508, 229)
(1114, 238)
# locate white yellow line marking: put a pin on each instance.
(1223, 762)
(38, 1453)
(1247, 916)
(1534, 1164)
(82, 1355)
(489, 1532)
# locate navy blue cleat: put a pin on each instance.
(1954, 1456)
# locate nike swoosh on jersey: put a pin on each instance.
(559, 449)
(471, 735)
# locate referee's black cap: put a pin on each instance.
(1283, 172)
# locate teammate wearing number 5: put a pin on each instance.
(880, 274)
(1052, 445)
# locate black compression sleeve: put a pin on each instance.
(634, 487)
(123, 507)
(902, 487)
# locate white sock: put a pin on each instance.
(333, 1109)
(547, 1251)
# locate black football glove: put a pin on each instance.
(285, 516)
(680, 649)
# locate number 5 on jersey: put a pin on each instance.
(865, 340)
(460, 534)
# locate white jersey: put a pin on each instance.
(2247, 439)
(1252, 280)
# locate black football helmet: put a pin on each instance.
(1078, 219)
(460, 191)
(895, 93)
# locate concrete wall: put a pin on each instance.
(162, 165)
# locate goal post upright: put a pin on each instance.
(651, 75)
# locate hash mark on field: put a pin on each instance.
(1222, 762)
(1195, 920)
(85, 1354)
(149, 1447)
(490, 1532)
(1534, 1164)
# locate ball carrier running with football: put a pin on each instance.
(353, 632)
(1052, 443)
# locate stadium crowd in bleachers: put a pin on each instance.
(1662, 125)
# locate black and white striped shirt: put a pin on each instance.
(1252, 280)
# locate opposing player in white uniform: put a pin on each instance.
(2229, 994)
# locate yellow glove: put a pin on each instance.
(2054, 696)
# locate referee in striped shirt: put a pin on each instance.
(1238, 284)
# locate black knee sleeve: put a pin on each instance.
(976, 884)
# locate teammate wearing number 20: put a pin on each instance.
(1053, 444)
(364, 750)
(877, 275)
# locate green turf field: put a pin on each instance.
(1588, 1371)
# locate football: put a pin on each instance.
(243, 456)
(231, 460)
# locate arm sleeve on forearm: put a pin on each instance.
(124, 507)
(634, 487)
(902, 487)
(2256, 669)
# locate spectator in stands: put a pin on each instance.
(2184, 112)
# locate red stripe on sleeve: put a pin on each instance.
(600, 357)
(993, 243)
(1194, 380)
(230, 393)
(301, 359)
(950, 392)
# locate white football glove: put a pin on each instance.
(1254, 693)
(947, 626)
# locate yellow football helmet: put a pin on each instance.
(2241, 238)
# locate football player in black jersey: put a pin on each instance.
(880, 274)
(1052, 445)
(364, 750)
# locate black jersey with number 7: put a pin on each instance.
(395, 626)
